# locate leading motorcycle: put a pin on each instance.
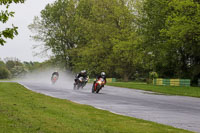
(98, 85)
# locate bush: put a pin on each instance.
(4, 73)
(152, 75)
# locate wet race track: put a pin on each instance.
(177, 111)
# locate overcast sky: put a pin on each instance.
(21, 46)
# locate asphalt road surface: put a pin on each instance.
(177, 111)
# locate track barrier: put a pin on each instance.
(172, 82)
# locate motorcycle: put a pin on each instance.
(98, 85)
(54, 78)
(80, 83)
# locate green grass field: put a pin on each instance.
(24, 111)
(171, 90)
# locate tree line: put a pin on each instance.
(14, 68)
(127, 39)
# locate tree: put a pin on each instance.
(2, 64)
(4, 16)
(55, 29)
(15, 67)
(127, 56)
(170, 31)
(4, 72)
(183, 36)
(105, 27)
(85, 34)
(152, 19)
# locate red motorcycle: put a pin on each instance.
(98, 85)
(54, 79)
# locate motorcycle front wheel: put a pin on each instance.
(98, 89)
(74, 87)
(78, 86)
(93, 89)
(52, 82)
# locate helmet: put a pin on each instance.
(83, 71)
(103, 74)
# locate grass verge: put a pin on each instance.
(23, 111)
(172, 90)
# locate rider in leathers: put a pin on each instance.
(83, 74)
(55, 73)
(102, 75)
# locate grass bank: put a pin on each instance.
(171, 90)
(22, 110)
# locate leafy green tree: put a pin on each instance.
(127, 57)
(170, 31)
(4, 73)
(2, 64)
(15, 67)
(105, 26)
(85, 34)
(152, 16)
(56, 29)
(4, 17)
(183, 36)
